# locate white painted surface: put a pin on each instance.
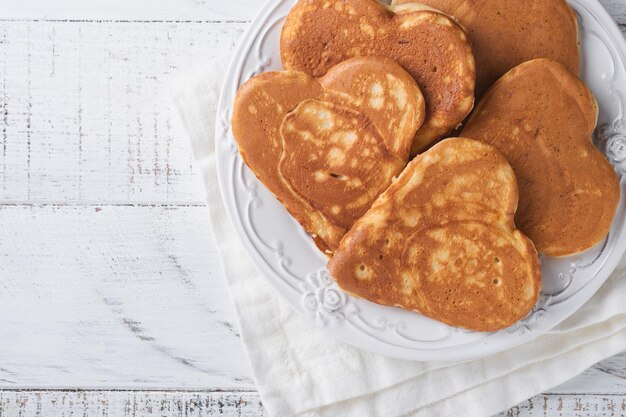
(115, 296)
(136, 10)
(85, 111)
(129, 403)
(247, 404)
(164, 10)
(108, 275)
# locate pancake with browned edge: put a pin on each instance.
(328, 147)
(429, 45)
(441, 241)
(542, 118)
(506, 33)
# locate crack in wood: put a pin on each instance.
(140, 332)
(231, 328)
(136, 329)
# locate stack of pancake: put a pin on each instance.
(354, 138)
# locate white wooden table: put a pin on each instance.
(112, 300)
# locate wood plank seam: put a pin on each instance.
(101, 204)
(200, 21)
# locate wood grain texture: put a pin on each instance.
(165, 10)
(246, 404)
(129, 404)
(85, 114)
(115, 297)
(569, 406)
(136, 10)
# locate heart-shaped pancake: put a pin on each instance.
(542, 118)
(506, 33)
(441, 241)
(432, 47)
(328, 147)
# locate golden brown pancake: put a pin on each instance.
(429, 45)
(541, 118)
(506, 33)
(441, 241)
(328, 147)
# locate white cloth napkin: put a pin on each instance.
(300, 370)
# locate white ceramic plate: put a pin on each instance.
(286, 256)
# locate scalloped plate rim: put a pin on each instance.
(351, 334)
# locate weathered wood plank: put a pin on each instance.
(246, 404)
(136, 10)
(85, 113)
(129, 403)
(570, 406)
(164, 10)
(115, 297)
